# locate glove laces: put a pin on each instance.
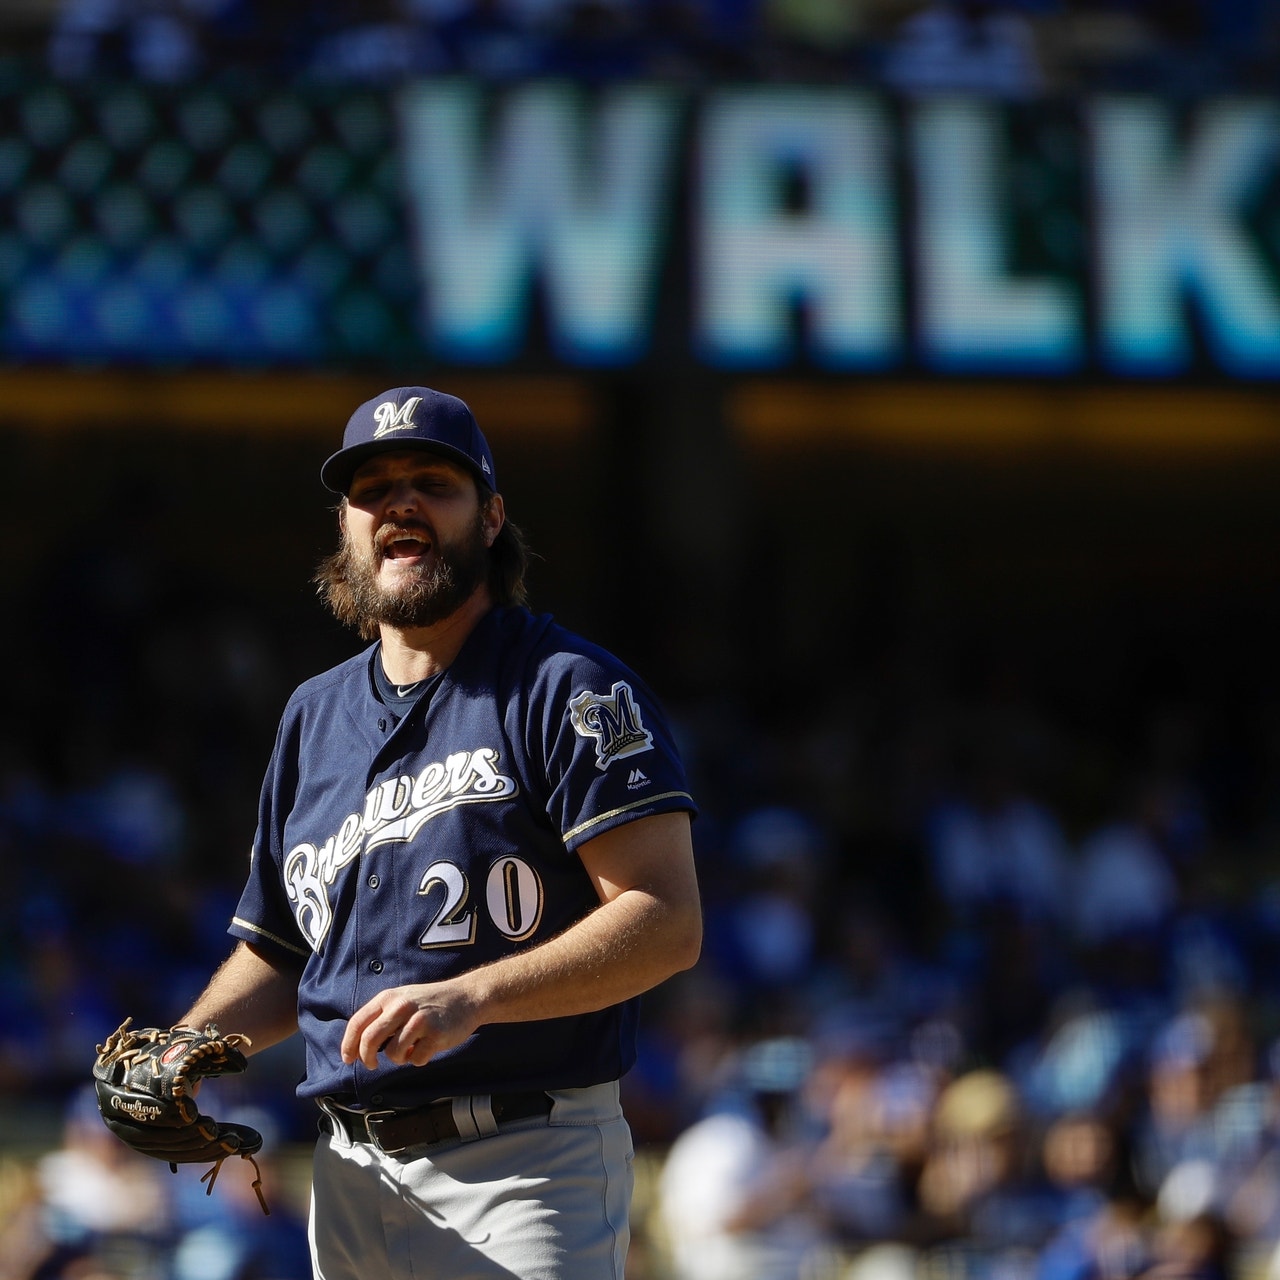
(210, 1176)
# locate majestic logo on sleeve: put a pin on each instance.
(613, 720)
(396, 809)
(391, 417)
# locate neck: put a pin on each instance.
(410, 654)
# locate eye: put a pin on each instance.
(369, 491)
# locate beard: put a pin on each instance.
(424, 595)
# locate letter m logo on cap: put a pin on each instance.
(392, 417)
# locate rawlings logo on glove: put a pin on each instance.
(145, 1079)
(143, 1112)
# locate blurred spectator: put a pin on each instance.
(991, 843)
(1001, 864)
(688, 1036)
(765, 937)
(160, 40)
(1079, 1061)
(226, 1236)
(486, 38)
(1249, 1193)
(981, 1182)
(1083, 1159)
(964, 46)
(1126, 890)
(869, 984)
(375, 41)
(1191, 1132)
(1102, 1226)
(1113, 1243)
(865, 1169)
(105, 1208)
(734, 1200)
(1191, 1245)
(26, 1248)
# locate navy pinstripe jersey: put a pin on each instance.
(400, 852)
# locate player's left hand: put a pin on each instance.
(410, 1024)
(146, 1080)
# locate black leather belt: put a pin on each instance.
(393, 1131)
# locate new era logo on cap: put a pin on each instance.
(407, 418)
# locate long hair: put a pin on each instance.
(508, 563)
(509, 557)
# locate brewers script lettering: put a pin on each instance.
(395, 809)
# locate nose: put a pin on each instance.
(401, 499)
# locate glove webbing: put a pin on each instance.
(115, 1049)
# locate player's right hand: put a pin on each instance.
(409, 1024)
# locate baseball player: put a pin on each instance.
(473, 855)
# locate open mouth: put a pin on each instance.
(404, 546)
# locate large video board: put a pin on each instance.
(542, 225)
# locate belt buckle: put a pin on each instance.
(373, 1120)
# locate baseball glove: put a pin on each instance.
(146, 1079)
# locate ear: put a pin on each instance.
(495, 516)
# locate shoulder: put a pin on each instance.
(554, 650)
(534, 649)
(336, 684)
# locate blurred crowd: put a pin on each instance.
(978, 1000)
(1005, 48)
(91, 1209)
(983, 995)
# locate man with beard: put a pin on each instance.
(473, 855)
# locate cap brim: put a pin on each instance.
(338, 470)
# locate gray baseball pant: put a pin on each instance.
(545, 1198)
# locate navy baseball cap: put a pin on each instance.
(410, 418)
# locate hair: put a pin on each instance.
(509, 557)
(508, 563)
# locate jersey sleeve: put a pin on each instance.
(609, 752)
(263, 915)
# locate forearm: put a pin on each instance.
(623, 948)
(252, 995)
